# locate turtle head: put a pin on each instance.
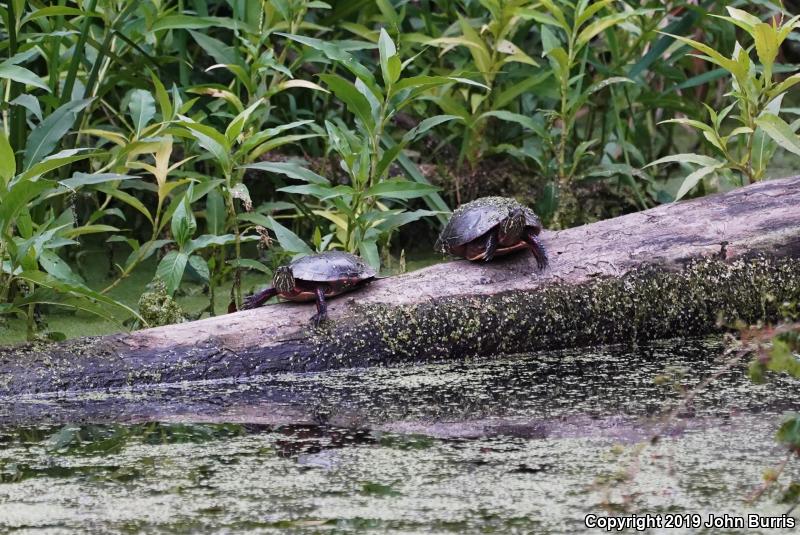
(514, 224)
(283, 280)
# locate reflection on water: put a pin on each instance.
(528, 443)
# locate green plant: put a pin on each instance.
(567, 50)
(359, 217)
(31, 271)
(183, 226)
(492, 50)
(749, 144)
(776, 350)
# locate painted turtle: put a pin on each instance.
(492, 226)
(314, 278)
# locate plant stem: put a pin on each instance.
(18, 125)
(78, 54)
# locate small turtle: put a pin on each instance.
(313, 278)
(492, 226)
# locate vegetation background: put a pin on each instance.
(182, 149)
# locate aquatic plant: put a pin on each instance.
(758, 130)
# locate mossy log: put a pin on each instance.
(682, 269)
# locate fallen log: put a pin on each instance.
(681, 269)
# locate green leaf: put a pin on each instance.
(393, 221)
(559, 61)
(351, 96)
(127, 198)
(292, 170)
(260, 137)
(8, 165)
(164, 102)
(48, 281)
(426, 125)
(142, 108)
(400, 189)
(171, 268)
(145, 251)
(693, 179)
(274, 143)
(183, 224)
(21, 75)
(288, 240)
(789, 431)
(207, 240)
(780, 132)
(83, 179)
(45, 137)
(215, 212)
(699, 159)
(767, 46)
(211, 140)
(784, 85)
(713, 56)
(690, 122)
(55, 266)
(585, 14)
(200, 267)
(222, 53)
(193, 22)
(55, 161)
(237, 125)
(602, 24)
(319, 191)
(522, 120)
(18, 198)
(55, 11)
(386, 50)
(336, 52)
(248, 263)
(369, 252)
(607, 82)
(30, 103)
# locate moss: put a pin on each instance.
(158, 308)
(649, 303)
(707, 296)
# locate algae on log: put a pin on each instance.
(681, 269)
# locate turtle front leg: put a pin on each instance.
(259, 298)
(537, 248)
(322, 307)
(492, 241)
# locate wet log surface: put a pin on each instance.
(673, 270)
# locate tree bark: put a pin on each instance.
(681, 269)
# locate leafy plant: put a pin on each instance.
(747, 147)
(31, 271)
(492, 50)
(359, 218)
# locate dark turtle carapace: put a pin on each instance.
(315, 278)
(492, 226)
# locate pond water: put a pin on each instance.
(521, 444)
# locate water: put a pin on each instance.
(530, 443)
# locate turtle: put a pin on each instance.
(492, 226)
(315, 278)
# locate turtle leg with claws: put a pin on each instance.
(492, 241)
(537, 248)
(258, 299)
(322, 307)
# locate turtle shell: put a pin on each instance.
(331, 266)
(472, 220)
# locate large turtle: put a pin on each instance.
(492, 226)
(315, 278)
